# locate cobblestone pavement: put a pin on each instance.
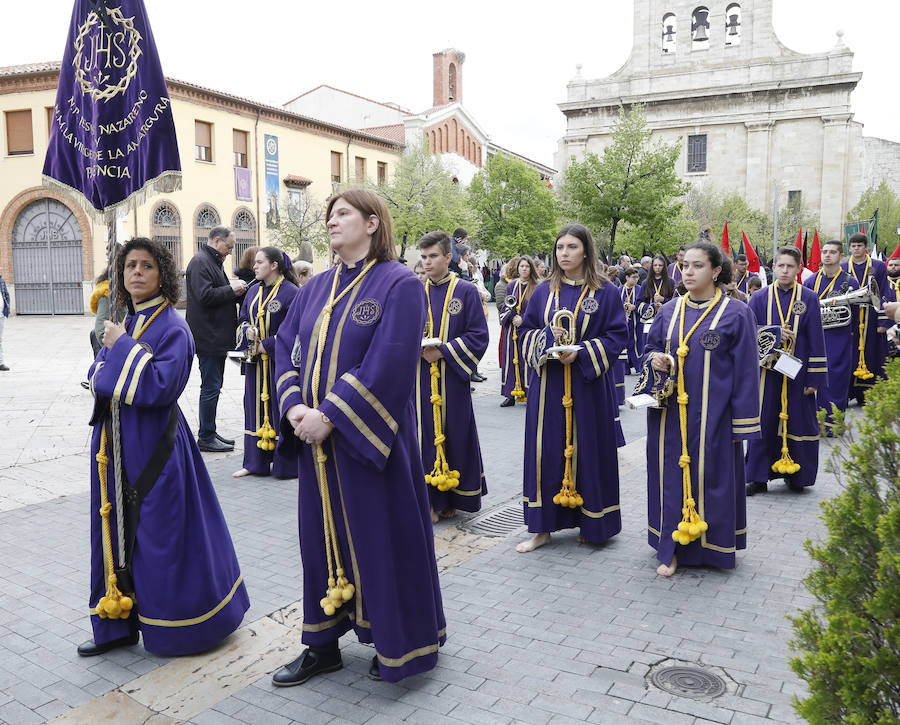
(566, 634)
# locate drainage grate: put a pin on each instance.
(688, 681)
(501, 521)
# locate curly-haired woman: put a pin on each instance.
(179, 584)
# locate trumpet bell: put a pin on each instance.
(566, 320)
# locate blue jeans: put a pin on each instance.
(212, 371)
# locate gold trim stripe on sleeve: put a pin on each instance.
(370, 398)
(126, 368)
(467, 351)
(284, 378)
(284, 396)
(138, 369)
(359, 423)
(456, 357)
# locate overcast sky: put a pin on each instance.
(519, 56)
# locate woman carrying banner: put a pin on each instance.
(347, 356)
(706, 342)
(513, 367)
(186, 592)
(265, 305)
(572, 427)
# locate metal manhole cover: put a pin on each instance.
(686, 681)
(501, 521)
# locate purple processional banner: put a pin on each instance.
(113, 134)
(243, 184)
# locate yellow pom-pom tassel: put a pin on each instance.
(126, 603)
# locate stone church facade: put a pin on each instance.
(751, 115)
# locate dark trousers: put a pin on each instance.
(212, 371)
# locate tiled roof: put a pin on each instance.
(294, 180)
(355, 95)
(29, 68)
(395, 132)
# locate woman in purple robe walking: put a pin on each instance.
(706, 342)
(180, 585)
(346, 358)
(652, 294)
(514, 370)
(571, 420)
(264, 308)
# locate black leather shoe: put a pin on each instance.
(91, 649)
(794, 487)
(214, 446)
(307, 665)
(374, 669)
(755, 487)
(4, 368)
(226, 441)
(508, 403)
(477, 377)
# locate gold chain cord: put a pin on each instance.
(568, 496)
(785, 464)
(441, 476)
(339, 590)
(114, 605)
(691, 526)
(265, 433)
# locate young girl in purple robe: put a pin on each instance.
(184, 592)
(572, 428)
(706, 342)
(513, 366)
(264, 308)
(652, 294)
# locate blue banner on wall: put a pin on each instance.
(112, 134)
(273, 183)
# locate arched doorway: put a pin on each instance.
(47, 260)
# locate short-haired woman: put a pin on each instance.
(571, 421)
(346, 358)
(705, 342)
(264, 308)
(514, 370)
(186, 592)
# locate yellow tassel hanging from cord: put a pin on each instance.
(517, 392)
(785, 464)
(862, 371)
(692, 526)
(266, 433)
(568, 497)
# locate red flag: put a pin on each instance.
(896, 254)
(815, 255)
(725, 246)
(752, 257)
(799, 245)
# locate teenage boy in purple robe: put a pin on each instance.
(453, 316)
(572, 429)
(868, 368)
(789, 447)
(674, 268)
(188, 593)
(831, 281)
(346, 359)
(706, 342)
(264, 308)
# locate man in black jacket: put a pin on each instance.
(212, 316)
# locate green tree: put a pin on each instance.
(515, 212)
(849, 642)
(301, 225)
(636, 179)
(423, 197)
(887, 202)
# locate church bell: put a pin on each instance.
(701, 23)
(733, 24)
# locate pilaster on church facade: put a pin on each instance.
(750, 115)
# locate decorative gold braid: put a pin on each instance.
(266, 432)
(862, 371)
(441, 477)
(568, 496)
(517, 392)
(691, 526)
(339, 590)
(114, 604)
(785, 464)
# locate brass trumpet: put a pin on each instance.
(836, 310)
(510, 302)
(566, 320)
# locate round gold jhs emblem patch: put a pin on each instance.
(455, 306)
(710, 340)
(274, 306)
(589, 305)
(366, 312)
(799, 307)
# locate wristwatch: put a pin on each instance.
(325, 418)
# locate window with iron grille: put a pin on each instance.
(696, 156)
(207, 218)
(244, 226)
(165, 227)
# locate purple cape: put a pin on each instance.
(374, 469)
(802, 426)
(189, 592)
(721, 379)
(256, 460)
(596, 433)
(465, 342)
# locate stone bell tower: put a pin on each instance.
(448, 76)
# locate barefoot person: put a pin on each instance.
(705, 340)
(571, 422)
(448, 437)
(186, 592)
(346, 361)
(265, 305)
